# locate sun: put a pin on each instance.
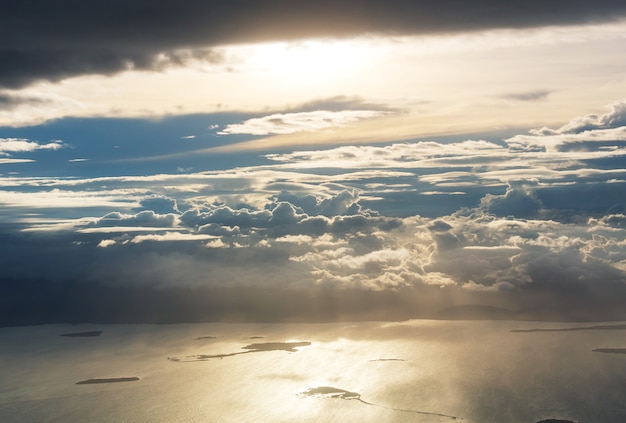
(309, 62)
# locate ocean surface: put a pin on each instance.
(413, 371)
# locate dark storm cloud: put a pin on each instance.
(159, 204)
(518, 202)
(9, 101)
(47, 40)
(439, 226)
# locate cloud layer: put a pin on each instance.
(532, 226)
(51, 41)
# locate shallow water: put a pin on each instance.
(415, 371)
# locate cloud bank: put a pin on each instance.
(41, 40)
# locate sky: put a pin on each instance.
(166, 161)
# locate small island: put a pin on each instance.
(82, 334)
(610, 350)
(573, 329)
(276, 346)
(330, 392)
(107, 380)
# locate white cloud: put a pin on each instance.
(579, 133)
(289, 123)
(613, 220)
(443, 193)
(171, 236)
(554, 142)
(419, 154)
(473, 286)
(296, 239)
(20, 145)
(216, 243)
(9, 161)
(143, 218)
(113, 229)
(106, 243)
(56, 198)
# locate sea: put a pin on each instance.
(410, 371)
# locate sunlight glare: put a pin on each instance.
(310, 61)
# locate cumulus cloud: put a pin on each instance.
(615, 118)
(106, 243)
(530, 256)
(339, 213)
(143, 218)
(613, 220)
(226, 216)
(345, 268)
(517, 202)
(590, 132)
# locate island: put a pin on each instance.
(107, 380)
(578, 328)
(252, 348)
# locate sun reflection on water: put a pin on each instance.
(412, 372)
